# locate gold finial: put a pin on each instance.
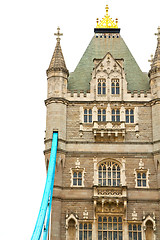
(58, 34)
(107, 21)
(107, 9)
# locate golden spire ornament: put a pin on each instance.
(107, 21)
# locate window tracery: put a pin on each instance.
(110, 227)
(109, 174)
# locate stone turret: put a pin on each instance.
(57, 72)
(57, 78)
(154, 73)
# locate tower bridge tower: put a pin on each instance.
(107, 114)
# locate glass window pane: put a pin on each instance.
(127, 112)
(132, 119)
(120, 226)
(90, 235)
(90, 118)
(85, 226)
(85, 111)
(80, 235)
(99, 219)
(139, 183)
(117, 90)
(104, 219)
(139, 236)
(79, 182)
(130, 236)
(114, 226)
(119, 219)
(130, 227)
(127, 119)
(99, 235)
(80, 226)
(114, 235)
(90, 226)
(79, 174)
(144, 183)
(139, 227)
(74, 182)
(143, 175)
(104, 235)
(104, 226)
(109, 182)
(75, 175)
(85, 235)
(113, 118)
(114, 219)
(131, 111)
(134, 227)
(104, 182)
(138, 175)
(134, 235)
(109, 219)
(118, 119)
(90, 111)
(109, 226)
(99, 226)
(85, 118)
(120, 235)
(110, 236)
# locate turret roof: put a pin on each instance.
(57, 62)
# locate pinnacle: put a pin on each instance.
(156, 59)
(57, 62)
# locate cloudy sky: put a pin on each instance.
(27, 43)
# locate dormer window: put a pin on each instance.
(101, 87)
(115, 88)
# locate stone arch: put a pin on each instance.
(71, 228)
(149, 227)
(120, 162)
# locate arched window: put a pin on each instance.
(110, 228)
(101, 87)
(104, 88)
(109, 174)
(115, 87)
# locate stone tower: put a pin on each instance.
(107, 113)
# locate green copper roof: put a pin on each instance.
(98, 47)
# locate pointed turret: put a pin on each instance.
(57, 62)
(57, 72)
(154, 72)
(155, 66)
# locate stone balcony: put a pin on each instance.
(109, 128)
(106, 197)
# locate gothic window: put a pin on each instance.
(85, 231)
(110, 228)
(77, 178)
(101, 87)
(115, 87)
(87, 115)
(141, 179)
(141, 176)
(115, 115)
(109, 174)
(134, 231)
(129, 116)
(101, 115)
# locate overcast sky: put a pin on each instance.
(27, 43)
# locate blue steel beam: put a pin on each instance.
(48, 191)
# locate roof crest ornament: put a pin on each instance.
(107, 21)
(58, 34)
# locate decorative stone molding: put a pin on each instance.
(85, 214)
(144, 227)
(134, 215)
(77, 169)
